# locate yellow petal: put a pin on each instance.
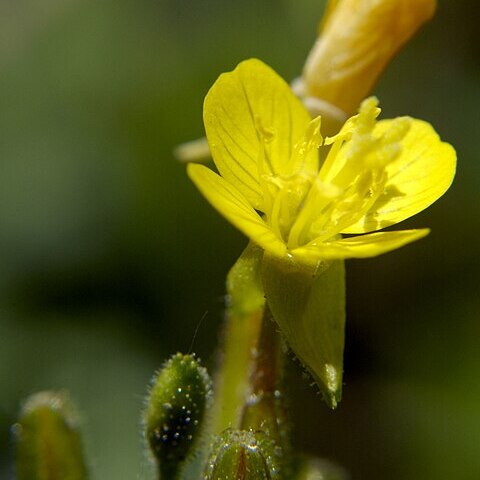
(363, 246)
(327, 15)
(358, 39)
(419, 176)
(235, 208)
(250, 108)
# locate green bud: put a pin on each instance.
(175, 412)
(309, 307)
(243, 455)
(48, 443)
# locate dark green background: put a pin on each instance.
(109, 257)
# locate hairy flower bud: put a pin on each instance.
(175, 412)
(48, 443)
(242, 455)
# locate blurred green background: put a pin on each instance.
(110, 257)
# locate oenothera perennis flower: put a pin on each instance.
(273, 187)
(309, 203)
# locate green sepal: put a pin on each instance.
(47, 439)
(175, 413)
(243, 455)
(244, 283)
(309, 306)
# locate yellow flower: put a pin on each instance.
(357, 40)
(296, 204)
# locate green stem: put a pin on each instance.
(232, 382)
(243, 319)
(247, 384)
(263, 409)
(266, 358)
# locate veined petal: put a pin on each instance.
(235, 208)
(420, 175)
(244, 109)
(362, 246)
(304, 158)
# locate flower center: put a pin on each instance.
(307, 205)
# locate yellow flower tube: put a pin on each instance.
(357, 40)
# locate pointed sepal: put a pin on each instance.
(309, 306)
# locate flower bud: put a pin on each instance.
(357, 40)
(242, 455)
(175, 412)
(48, 443)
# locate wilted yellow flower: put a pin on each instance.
(357, 40)
(273, 188)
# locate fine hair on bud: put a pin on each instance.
(175, 412)
(243, 455)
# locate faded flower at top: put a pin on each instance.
(358, 39)
(273, 187)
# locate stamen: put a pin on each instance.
(368, 114)
(326, 168)
(319, 195)
(275, 216)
